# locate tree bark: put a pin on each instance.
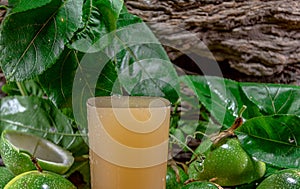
(252, 40)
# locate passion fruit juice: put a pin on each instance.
(128, 138)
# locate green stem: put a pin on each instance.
(22, 89)
(3, 7)
(183, 144)
(230, 131)
(242, 110)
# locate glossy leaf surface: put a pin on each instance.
(57, 81)
(32, 45)
(21, 6)
(93, 27)
(222, 97)
(274, 98)
(128, 61)
(273, 139)
(271, 121)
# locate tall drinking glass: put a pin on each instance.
(128, 139)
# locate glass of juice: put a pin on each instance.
(128, 140)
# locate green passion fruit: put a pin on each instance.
(202, 185)
(287, 178)
(19, 149)
(5, 176)
(227, 165)
(39, 180)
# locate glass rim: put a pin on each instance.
(132, 102)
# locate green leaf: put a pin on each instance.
(128, 61)
(57, 81)
(143, 65)
(110, 10)
(21, 6)
(221, 97)
(99, 18)
(126, 19)
(93, 27)
(38, 116)
(273, 139)
(96, 76)
(108, 83)
(150, 77)
(274, 98)
(180, 138)
(37, 41)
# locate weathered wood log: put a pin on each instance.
(252, 40)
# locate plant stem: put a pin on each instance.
(22, 89)
(3, 7)
(230, 131)
(183, 144)
(242, 110)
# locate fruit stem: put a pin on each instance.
(244, 107)
(36, 164)
(238, 121)
(230, 131)
(34, 160)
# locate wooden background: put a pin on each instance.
(252, 40)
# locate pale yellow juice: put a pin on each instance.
(128, 140)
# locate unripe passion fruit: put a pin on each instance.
(288, 178)
(39, 180)
(5, 176)
(202, 185)
(227, 165)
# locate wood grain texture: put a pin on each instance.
(256, 40)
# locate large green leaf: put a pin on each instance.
(274, 98)
(145, 70)
(271, 130)
(93, 27)
(221, 97)
(32, 45)
(57, 81)
(21, 6)
(143, 65)
(110, 9)
(108, 83)
(99, 17)
(96, 76)
(273, 139)
(130, 61)
(38, 116)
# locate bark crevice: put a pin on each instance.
(257, 40)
